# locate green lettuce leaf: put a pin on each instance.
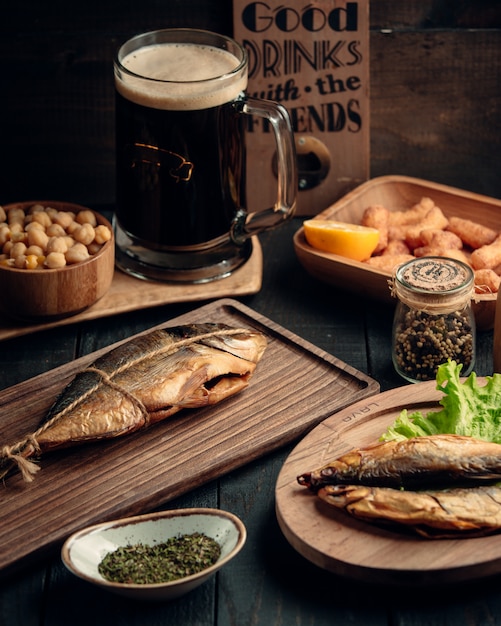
(468, 409)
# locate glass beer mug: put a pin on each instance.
(181, 117)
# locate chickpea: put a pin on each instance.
(17, 249)
(55, 230)
(72, 226)
(77, 253)
(57, 244)
(84, 234)
(42, 218)
(103, 234)
(69, 241)
(37, 237)
(36, 208)
(94, 248)
(4, 234)
(16, 227)
(7, 246)
(33, 225)
(3, 214)
(16, 216)
(51, 212)
(36, 250)
(20, 261)
(86, 217)
(55, 260)
(63, 218)
(17, 235)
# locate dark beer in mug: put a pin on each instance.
(177, 186)
(180, 155)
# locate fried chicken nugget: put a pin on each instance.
(459, 255)
(441, 238)
(388, 262)
(440, 243)
(433, 219)
(486, 281)
(396, 246)
(487, 257)
(413, 215)
(396, 232)
(472, 233)
(451, 253)
(377, 216)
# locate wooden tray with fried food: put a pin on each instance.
(396, 193)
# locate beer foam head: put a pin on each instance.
(177, 76)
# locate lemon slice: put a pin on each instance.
(348, 240)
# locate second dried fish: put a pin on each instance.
(438, 514)
(418, 462)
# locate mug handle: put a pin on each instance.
(245, 224)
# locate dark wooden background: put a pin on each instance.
(435, 90)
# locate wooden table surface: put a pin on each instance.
(269, 582)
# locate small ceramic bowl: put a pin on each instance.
(85, 549)
(43, 295)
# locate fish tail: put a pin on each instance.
(18, 456)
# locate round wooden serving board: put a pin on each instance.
(337, 542)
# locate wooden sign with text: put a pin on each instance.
(312, 57)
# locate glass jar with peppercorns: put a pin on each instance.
(433, 320)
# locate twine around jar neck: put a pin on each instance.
(431, 302)
(436, 299)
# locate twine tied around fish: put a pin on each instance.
(13, 454)
(28, 468)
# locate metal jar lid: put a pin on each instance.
(434, 284)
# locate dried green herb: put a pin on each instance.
(173, 559)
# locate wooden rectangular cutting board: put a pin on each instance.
(296, 385)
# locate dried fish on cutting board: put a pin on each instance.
(141, 382)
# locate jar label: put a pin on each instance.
(433, 274)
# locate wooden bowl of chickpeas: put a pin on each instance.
(56, 259)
